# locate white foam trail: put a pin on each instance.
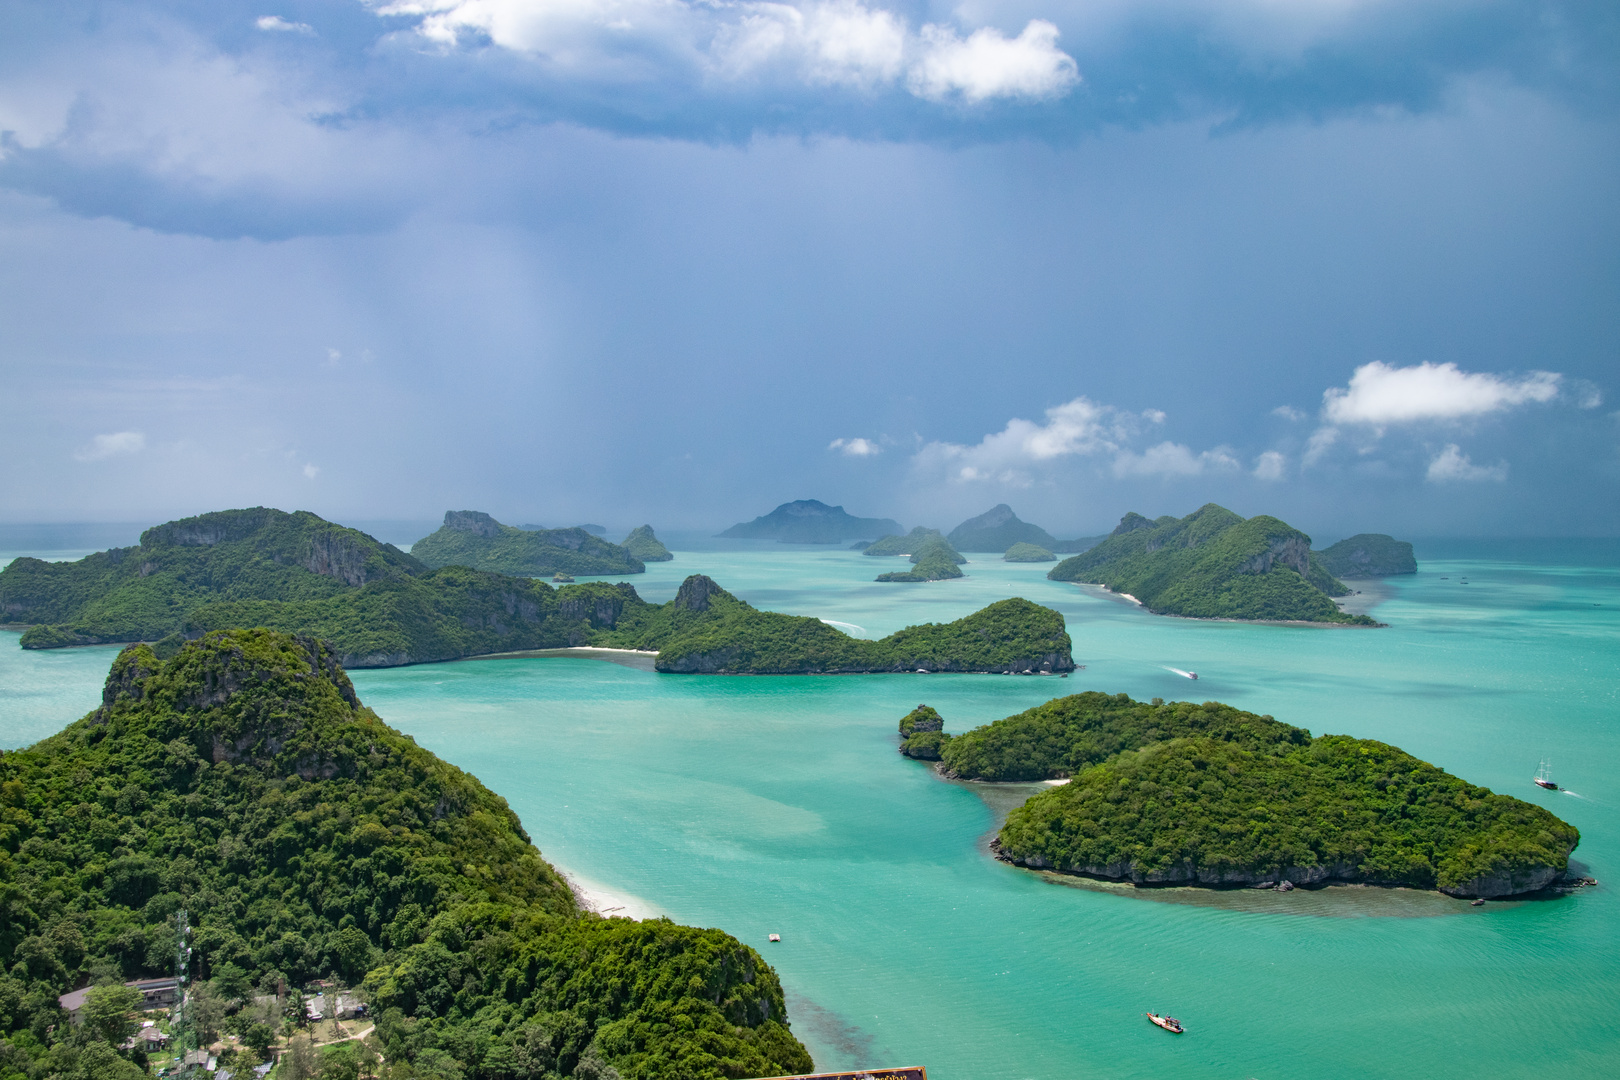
(1178, 671)
(847, 627)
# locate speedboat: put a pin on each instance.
(1169, 1023)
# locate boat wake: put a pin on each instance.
(846, 627)
(1178, 671)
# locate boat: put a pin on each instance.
(1169, 1023)
(1193, 675)
(1543, 776)
(776, 937)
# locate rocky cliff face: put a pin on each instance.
(472, 521)
(1292, 551)
(206, 530)
(1132, 522)
(336, 556)
(695, 591)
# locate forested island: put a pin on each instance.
(243, 781)
(378, 607)
(643, 545)
(996, 530)
(1028, 553)
(808, 521)
(906, 544)
(473, 539)
(933, 559)
(1213, 564)
(1182, 793)
(1368, 555)
(707, 630)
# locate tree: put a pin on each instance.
(109, 1012)
(258, 1038)
(207, 1011)
(351, 948)
(231, 983)
(300, 1061)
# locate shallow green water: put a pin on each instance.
(768, 805)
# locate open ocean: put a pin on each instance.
(778, 805)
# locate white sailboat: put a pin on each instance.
(1543, 776)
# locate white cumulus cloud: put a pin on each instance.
(855, 447)
(1174, 459)
(1379, 394)
(1271, 465)
(311, 471)
(115, 444)
(1452, 464)
(988, 64)
(839, 43)
(1288, 412)
(1080, 428)
(275, 24)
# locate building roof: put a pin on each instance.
(74, 1000)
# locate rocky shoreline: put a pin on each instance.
(1285, 878)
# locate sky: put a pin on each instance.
(1355, 263)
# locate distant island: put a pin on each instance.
(1190, 794)
(1028, 553)
(244, 781)
(707, 630)
(907, 544)
(378, 607)
(1368, 555)
(1075, 546)
(473, 539)
(932, 556)
(1213, 564)
(643, 545)
(810, 522)
(996, 530)
(142, 593)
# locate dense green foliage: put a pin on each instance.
(375, 605)
(903, 545)
(1028, 553)
(1213, 564)
(1068, 734)
(933, 560)
(1077, 545)
(809, 521)
(934, 566)
(643, 545)
(244, 781)
(1212, 794)
(1364, 809)
(922, 734)
(996, 530)
(1368, 555)
(441, 615)
(706, 629)
(474, 539)
(144, 592)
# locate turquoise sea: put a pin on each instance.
(778, 805)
